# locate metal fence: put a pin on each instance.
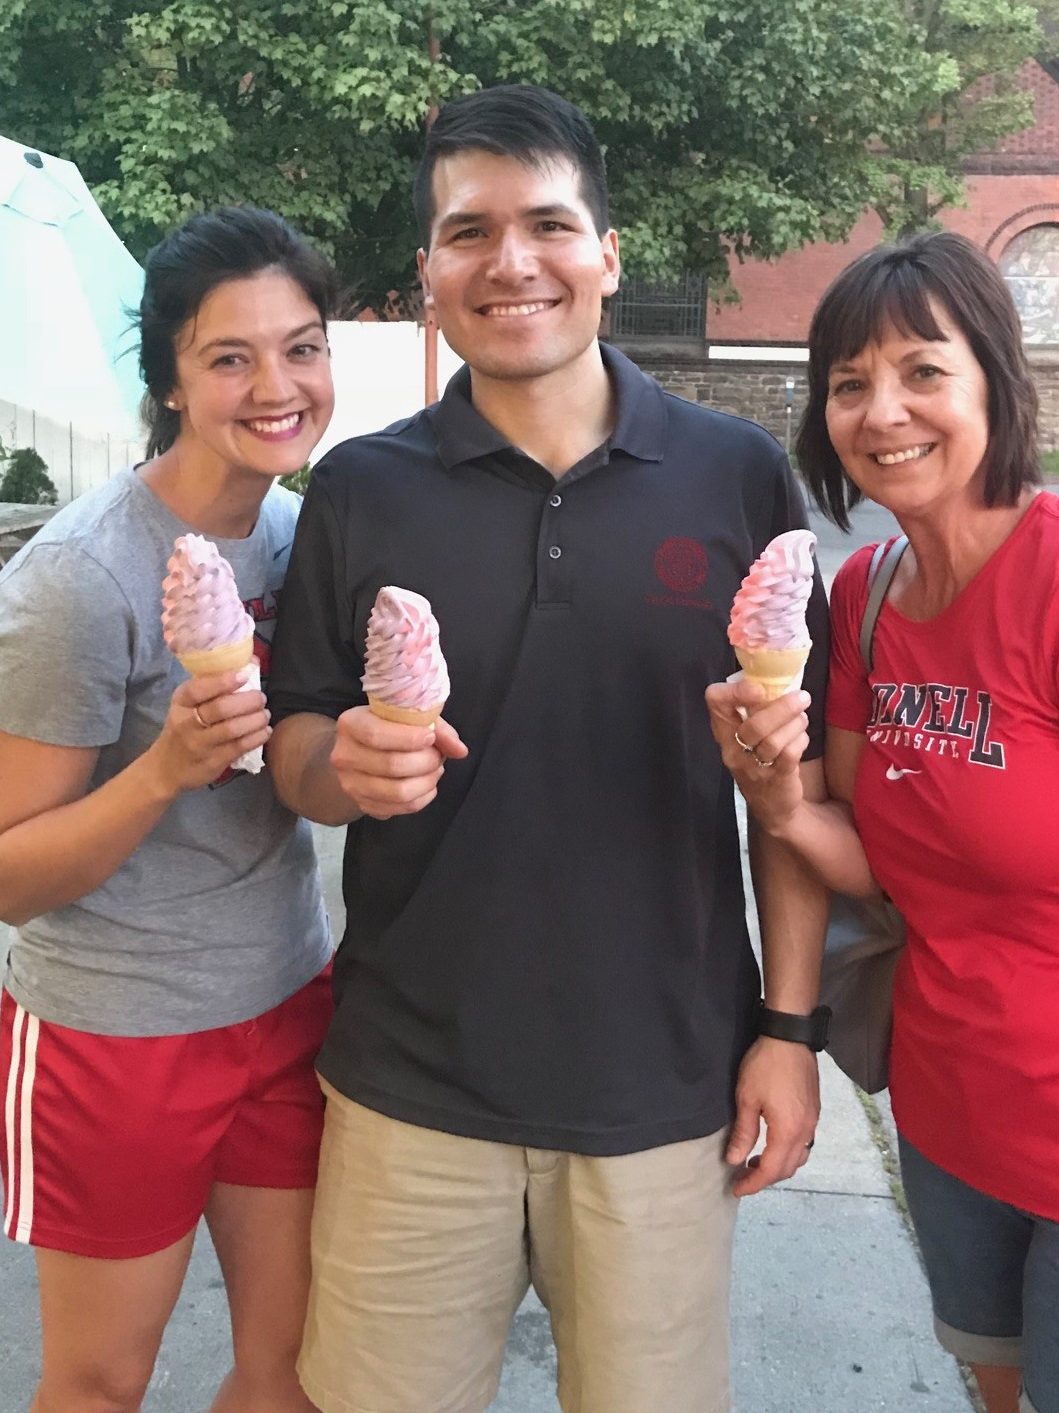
(77, 461)
(643, 309)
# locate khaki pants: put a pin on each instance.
(425, 1243)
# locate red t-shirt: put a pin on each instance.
(957, 803)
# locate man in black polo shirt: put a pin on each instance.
(546, 993)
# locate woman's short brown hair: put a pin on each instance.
(892, 285)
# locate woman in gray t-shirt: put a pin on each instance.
(167, 987)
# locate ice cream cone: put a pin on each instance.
(407, 716)
(775, 669)
(227, 657)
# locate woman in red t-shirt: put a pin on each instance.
(942, 772)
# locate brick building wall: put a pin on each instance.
(758, 390)
(1007, 192)
(777, 299)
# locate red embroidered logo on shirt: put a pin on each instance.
(681, 564)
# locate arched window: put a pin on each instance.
(1030, 264)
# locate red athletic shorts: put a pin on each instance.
(111, 1143)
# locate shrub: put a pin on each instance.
(298, 480)
(25, 479)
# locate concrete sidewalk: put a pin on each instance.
(830, 1308)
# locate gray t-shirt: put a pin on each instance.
(218, 915)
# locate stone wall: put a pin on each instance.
(757, 390)
(1045, 364)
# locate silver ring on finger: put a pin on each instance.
(198, 717)
(750, 750)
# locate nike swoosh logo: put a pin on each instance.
(893, 773)
(284, 550)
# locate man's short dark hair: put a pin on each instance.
(517, 120)
(892, 285)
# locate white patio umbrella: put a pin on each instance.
(67, 284)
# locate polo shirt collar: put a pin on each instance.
(641, 426)
(463, 434)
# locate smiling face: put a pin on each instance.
(516, 270)
(253, 387)
(908, 418)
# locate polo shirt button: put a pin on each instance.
(555, 500)
(555, 552)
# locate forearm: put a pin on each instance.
(56, 857)
(822, 834)
(299, 757)
(792, 909)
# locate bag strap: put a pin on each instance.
(881, 571)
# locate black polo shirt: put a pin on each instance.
(554, 952)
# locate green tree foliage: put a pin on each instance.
(731, 125)
(24, 479)
(978, 47)
(298, 481)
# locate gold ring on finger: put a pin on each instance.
(740, 742)
(760, 760)
(198, 717)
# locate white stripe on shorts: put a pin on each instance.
(25, 1032)
(9, 1112)
(25, 1179)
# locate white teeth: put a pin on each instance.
(894, 458)
(507, 311)
(279, 424)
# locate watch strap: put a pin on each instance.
(811, 1030)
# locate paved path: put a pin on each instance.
(23, 517)
(18, 523)
(830, 1310)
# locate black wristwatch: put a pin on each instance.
(800, 1030)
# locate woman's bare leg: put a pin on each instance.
(101, 1324)
(262, 1240)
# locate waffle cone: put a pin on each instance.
(775, 669)
(228, 657)
(407, 716)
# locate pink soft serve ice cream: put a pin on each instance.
(769, 609)
(405, 675)
(201, 607)
(767, 627)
